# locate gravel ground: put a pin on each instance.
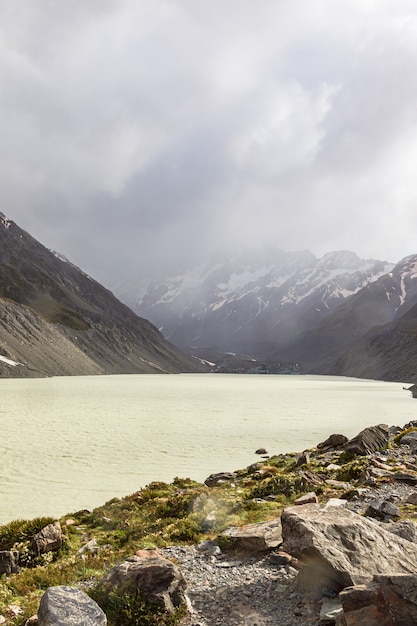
(249, 591)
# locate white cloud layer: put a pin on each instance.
(137, 134)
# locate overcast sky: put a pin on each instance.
(140, 133)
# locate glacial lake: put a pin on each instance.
(70, 443)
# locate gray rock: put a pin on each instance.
(48, 539)
(306, 498)
(256, 537)
(369, 440)
(9, 562)
(405, 529)
(155, 578)
(410, 439)
(412, 498)
(338, 548)
(382, 509)
(68, 606)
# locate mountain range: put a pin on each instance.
(273, 311)
(56, 320)
(338, 314)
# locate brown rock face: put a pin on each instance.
(386, 601)
(338, 548)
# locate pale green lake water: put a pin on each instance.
(75, 442)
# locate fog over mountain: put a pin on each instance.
(139, 137)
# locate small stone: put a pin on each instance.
(307, 498)
(261, 451)
(335, 502)
(412, 498)
(333, 467)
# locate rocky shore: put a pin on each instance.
(326, 536)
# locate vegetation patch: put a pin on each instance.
(123, 609)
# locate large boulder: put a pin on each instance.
(68, 606)
(385, 601)
(48, 539)
(255, 537)
(155, 578)
(369, 440)
(338, 548)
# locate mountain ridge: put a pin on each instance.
(56, 320)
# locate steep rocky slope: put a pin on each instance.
(56, 320)
(387, 353)
(372, 335)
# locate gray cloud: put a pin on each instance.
(137, 135)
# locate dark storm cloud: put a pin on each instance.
(141, 134)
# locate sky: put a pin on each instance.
(141, 135)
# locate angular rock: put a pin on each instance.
(364, 605)
(155, 578)
(306, 498)
(369, 440)
(382, 509)
(389, 600)
(219, 478)
(412, 498)
(47, 540)
(68, 606)
(9, 562)
(405, 529)
(334, 441)
(338, 548)
(256, 537)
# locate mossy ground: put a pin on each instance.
(183, 512)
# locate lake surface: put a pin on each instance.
(75, 442)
